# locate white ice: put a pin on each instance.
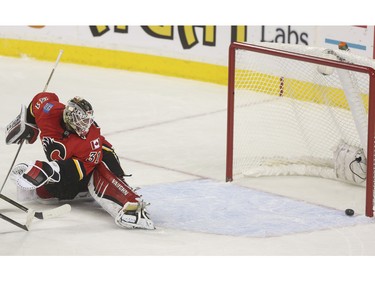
(165, 130)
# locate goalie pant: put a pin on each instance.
(118, 199)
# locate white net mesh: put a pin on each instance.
(290, 115)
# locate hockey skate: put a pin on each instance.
(134, 215)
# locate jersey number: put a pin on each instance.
(94, 157)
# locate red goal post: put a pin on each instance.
(254, 68)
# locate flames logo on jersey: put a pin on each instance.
(54, 150)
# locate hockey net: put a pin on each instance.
(293, 110)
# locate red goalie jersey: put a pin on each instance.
(81, 163)
(77, 156)
(58, 143)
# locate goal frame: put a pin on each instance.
(369, 205)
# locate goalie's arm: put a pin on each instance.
(112, 161)
(30, 118)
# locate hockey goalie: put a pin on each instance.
(80, 162)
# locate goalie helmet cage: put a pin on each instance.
(289, 106)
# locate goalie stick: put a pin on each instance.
(47, 214)
(23, 226)
(21, 144)
(31, 213)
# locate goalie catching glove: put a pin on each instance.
(35, 174)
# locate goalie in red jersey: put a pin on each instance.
(80, 160)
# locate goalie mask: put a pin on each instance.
(78, 116)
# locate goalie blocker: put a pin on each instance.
(19, 130)
(118, 199)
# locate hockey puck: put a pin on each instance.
(349, 212)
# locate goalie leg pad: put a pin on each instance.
(118, 199)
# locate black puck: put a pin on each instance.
(349, 212)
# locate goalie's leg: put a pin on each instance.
(118, 199)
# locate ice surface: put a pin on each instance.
(224, 208)
(169, 133)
